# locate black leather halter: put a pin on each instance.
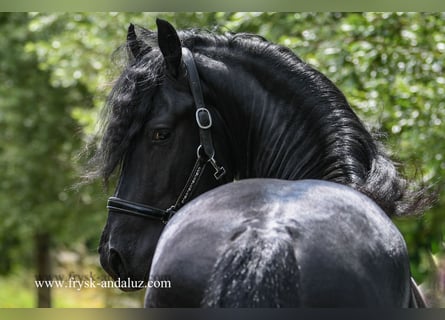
(205, 154)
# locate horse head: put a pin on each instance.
(167, 154)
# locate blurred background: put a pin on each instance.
(55, 72)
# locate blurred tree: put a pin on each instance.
(389, 65)
(39, 141)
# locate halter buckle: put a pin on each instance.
(207, 121)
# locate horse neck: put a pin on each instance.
(290, 126)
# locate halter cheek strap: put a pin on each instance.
(205, 154)
(202, 114)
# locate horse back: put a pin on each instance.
(337, 248)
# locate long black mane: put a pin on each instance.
(302, 127)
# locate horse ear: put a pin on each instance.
(132, 41)
(170, 46)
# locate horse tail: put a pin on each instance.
(392, 192)
(254, 270)
(417, 300)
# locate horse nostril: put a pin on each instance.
(116, 263)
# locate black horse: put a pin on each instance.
(278, 243)
(267, 114)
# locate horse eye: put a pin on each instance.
(160, 135)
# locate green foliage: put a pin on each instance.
(56, 69)
(39, 143)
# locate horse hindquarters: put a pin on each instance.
(258, 271)
(276, 243)
(255, 270)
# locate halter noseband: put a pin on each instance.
(205, 154)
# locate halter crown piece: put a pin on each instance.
(205, 154)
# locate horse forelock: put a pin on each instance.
(126, 111)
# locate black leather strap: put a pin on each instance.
(138, 209)
(203, 116)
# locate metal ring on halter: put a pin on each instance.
(198, 154)
(168, 214)
(219, 170)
